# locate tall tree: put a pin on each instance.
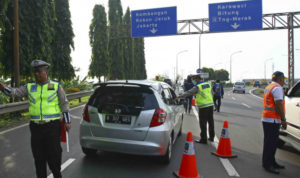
(128, 50)
(62, 42)
(210, 72)
(3, 20)
(222, 75)
(99, 41)
(139, 59)
(115, 15)
(35, 35)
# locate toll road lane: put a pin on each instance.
(244, 129)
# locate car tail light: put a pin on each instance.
(86, 114)
(158, 118)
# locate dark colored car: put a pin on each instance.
(256, 84)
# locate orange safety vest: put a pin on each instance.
(269, 103)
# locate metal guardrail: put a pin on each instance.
(23, 105)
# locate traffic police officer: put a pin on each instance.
(47, 100)
(204, 101)
(273, 116)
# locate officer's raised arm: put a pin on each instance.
(14, 92)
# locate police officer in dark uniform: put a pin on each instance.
(47, 100)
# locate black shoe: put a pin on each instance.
(201, 141)
(272, 169)
(211, 139)
(278, 166)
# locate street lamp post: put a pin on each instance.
(200, 51)
(177, 63)
(231, 64)
(265, 66)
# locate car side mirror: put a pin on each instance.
(286, 90)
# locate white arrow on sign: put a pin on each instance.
(235, 25)
(153, 30)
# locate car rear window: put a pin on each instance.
(128, 99)
(239, 83)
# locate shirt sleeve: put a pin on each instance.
(189, 92)
(16, 92)
(277, 93)
(63, 101)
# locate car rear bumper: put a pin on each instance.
(155, 143)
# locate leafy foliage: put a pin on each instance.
(45, 33)
(210, 72)
(222, 75)
(62, 42)
(98, 41)
(76, 85)
(115, 48)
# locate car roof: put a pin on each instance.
(157, 85)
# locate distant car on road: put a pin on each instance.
(256, 84)
(292, 113)
(134, 117)
(239, 87)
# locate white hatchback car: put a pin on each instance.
(239, 87)
(135, 117)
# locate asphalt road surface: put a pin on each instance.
(242, 111)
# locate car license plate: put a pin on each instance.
(116, 119)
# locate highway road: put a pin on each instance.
(243, 112)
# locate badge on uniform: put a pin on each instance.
(33, 88)
(51, 86)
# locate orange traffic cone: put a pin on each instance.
(188, 167)
(193, 101)
(224, 147)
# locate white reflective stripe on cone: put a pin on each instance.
(189, 148)
(225, 133)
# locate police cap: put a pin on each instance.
(40, 65)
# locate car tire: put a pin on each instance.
(89, 151)
(166, 159)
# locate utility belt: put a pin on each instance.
(45, 122)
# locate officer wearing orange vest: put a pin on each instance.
(273, 116)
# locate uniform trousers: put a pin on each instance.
(271, 134)
(45, 146)
(217, 102)
(206, 115)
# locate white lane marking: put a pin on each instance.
(246, 105)
(233, 98)
(63, 166)
(15, 128)
(8, 130)
(253, 94)
(225, 162)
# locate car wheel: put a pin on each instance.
(167, 157)
(89, 151)
(180, 130)
(280, 143)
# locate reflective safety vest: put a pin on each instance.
(43, 101)
(269, 110)
(204, 97)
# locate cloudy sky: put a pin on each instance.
(216, 48)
